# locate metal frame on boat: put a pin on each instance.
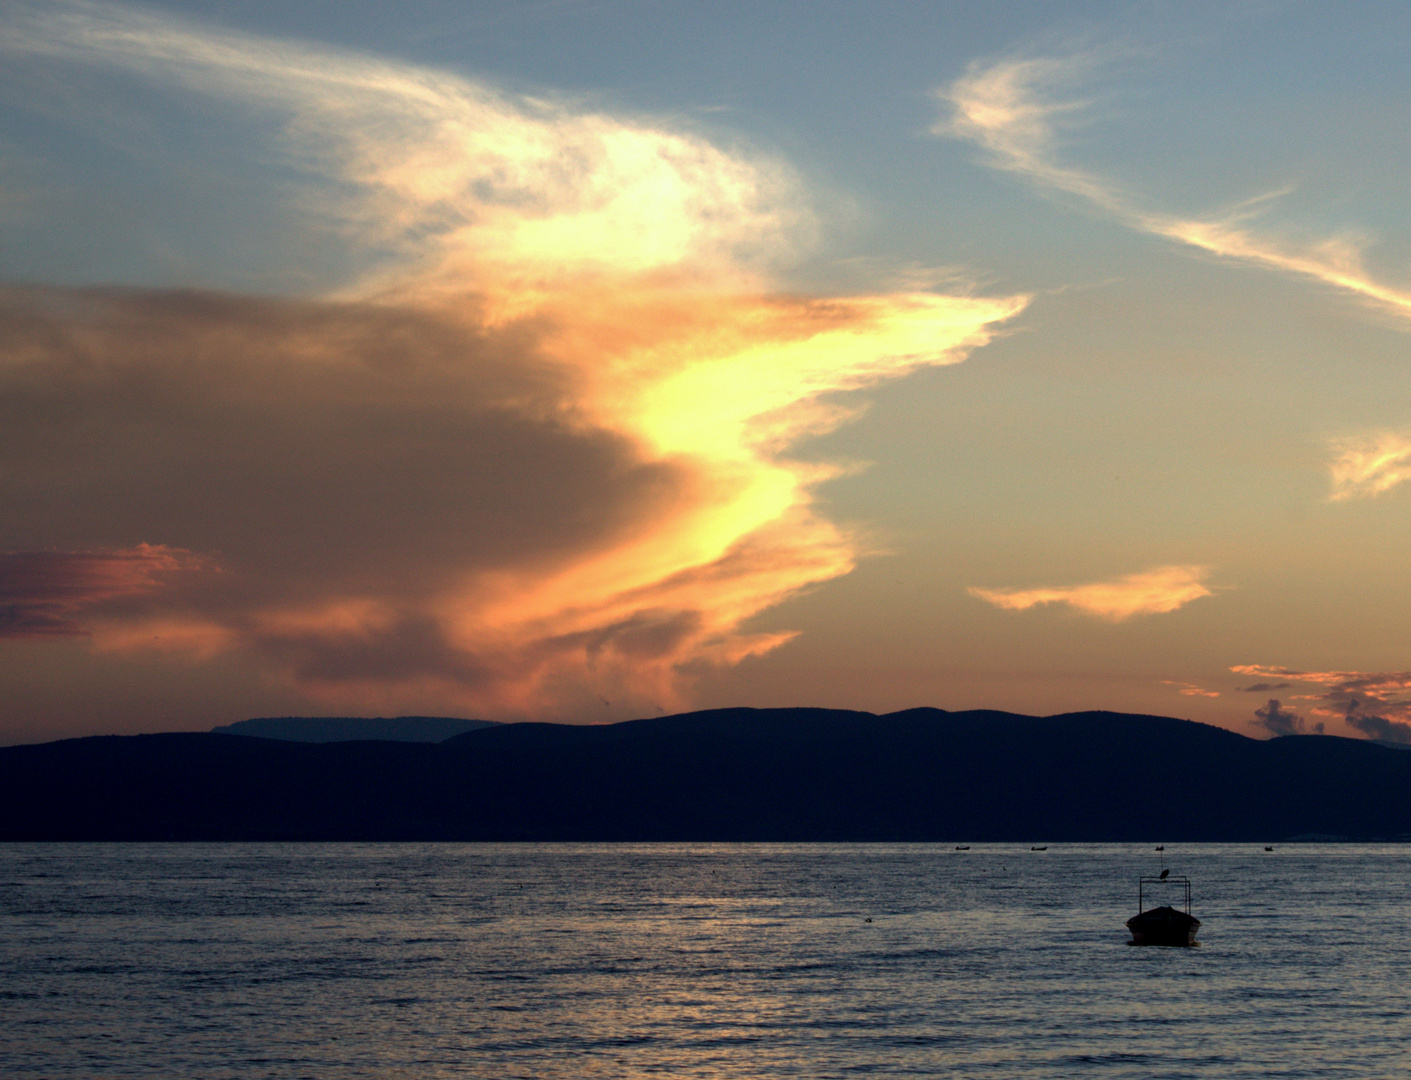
(1163, 925)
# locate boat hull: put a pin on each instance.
(1163, 926)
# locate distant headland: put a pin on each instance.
(721, 775)
(323, 729)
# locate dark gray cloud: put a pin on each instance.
(1274, 719)
(1263, 687)
(306, 455)
(310, 447)
(1375, 726)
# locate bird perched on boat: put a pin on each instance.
(1164, 873)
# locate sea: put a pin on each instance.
(755, 961)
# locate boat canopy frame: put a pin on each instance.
(1185, 882)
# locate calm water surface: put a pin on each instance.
(680, 960)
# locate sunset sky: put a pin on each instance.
(583, 361)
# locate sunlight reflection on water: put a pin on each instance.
(504, 960)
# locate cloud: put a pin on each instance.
(452, 175)
(408, 504)
(43, 592)
(1151, 592)
(1370, 465)
(538, 456)
(1275, 720)
(1378, 727)
(1018, 109)
(1263, 687)
(1187, 689)
(1372, 702)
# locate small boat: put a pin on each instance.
(1164, 925)
(962, 847)
(1268, 849)
(1044, 848)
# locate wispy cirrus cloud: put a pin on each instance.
(1372, 702)
(1019, 108)
(534, 456)
(1369, 465)
(1150, 592)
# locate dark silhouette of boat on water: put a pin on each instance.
(1164, 925)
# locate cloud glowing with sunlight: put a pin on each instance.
(1017, 109)
(1151, 592)
(534, 457)
(1369, 465)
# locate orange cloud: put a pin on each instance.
(1370, 465)
(1372, 702)
(538, 457)
(1190, 689)
(1151, 592)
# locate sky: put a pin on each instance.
(583, 360)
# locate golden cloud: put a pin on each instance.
(1369, 465)
(1151, 592)
(455, 176)
(539, 457)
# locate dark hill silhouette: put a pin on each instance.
(350, 728)
(728, 774)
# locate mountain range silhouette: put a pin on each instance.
(721, 775)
